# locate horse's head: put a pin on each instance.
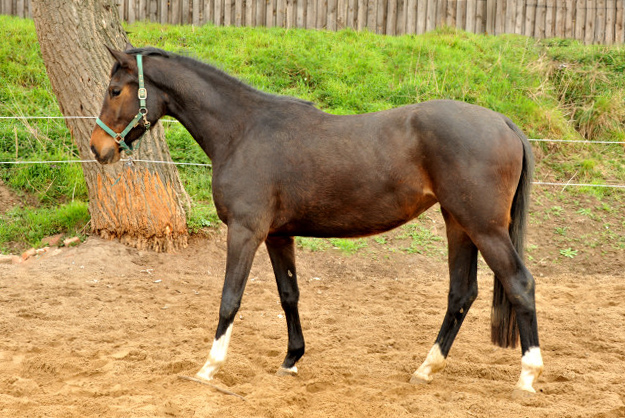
(128, 110)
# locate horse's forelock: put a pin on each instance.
(148, 51)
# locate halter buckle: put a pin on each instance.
(142, 93)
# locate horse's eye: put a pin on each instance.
(115, 92)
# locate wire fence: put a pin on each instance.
(182, 163)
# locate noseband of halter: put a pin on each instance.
(142, 94)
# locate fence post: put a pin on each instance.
(120, 10)
(260, 12)
(610, 14)
(290, 13)
(589, 35)
(549, 19)
(600, 21)
(430, 22)
(490, 17)
(195, 13)
(539, 21)
(520, 18)
(559, 27)
(469, 23)
(152, 10)
(20, 8)
(500, 17)
(569, 24)
(391, 18)
(510, 16)
(620, 23)
(441, 13)
(331, 15)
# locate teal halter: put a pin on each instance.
(143, 111)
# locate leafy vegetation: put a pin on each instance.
(31, 225)
(551, 88)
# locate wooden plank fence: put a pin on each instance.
(590, 21)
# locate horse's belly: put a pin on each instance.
(352, 219)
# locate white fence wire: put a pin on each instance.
(181, 163)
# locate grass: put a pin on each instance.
(312, 244)
(422, 240)
(551, 88)
(348, 246)
(30, 225)
(568, 253)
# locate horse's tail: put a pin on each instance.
(504, 330)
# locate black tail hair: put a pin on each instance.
(504, 329)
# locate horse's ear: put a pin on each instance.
(129, 46)
(122, 58)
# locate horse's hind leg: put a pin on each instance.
(282, 254)
(462, 292)
(519, 285)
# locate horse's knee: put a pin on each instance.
(290, 300)
(228, 309)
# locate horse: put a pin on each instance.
(284, 168)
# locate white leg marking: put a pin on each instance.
(216, 357)
(291, 371)
(434, 362)
(531, 369)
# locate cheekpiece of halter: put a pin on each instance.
(142, 94)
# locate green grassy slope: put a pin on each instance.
(551, 89)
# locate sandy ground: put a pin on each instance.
(102, 330)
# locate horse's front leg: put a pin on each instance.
(282, 253)
(242, 245)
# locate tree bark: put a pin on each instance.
(142, 205)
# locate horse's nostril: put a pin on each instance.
(108, 157)
(95, 152)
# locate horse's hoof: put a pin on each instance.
(519, 393)
(196, 379)
(420, 380)
(199, 378)
(283, 371)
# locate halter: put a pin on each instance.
(142, 93)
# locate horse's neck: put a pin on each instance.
(211, 106)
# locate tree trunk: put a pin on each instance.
(142, 205)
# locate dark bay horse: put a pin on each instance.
(283, 168)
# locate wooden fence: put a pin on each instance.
(591, 21)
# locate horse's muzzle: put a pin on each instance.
(104, 148)
(108, 156)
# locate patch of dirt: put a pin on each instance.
(576, 233)
(102, 330)
(8, 199)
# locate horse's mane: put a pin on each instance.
(208, 71)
